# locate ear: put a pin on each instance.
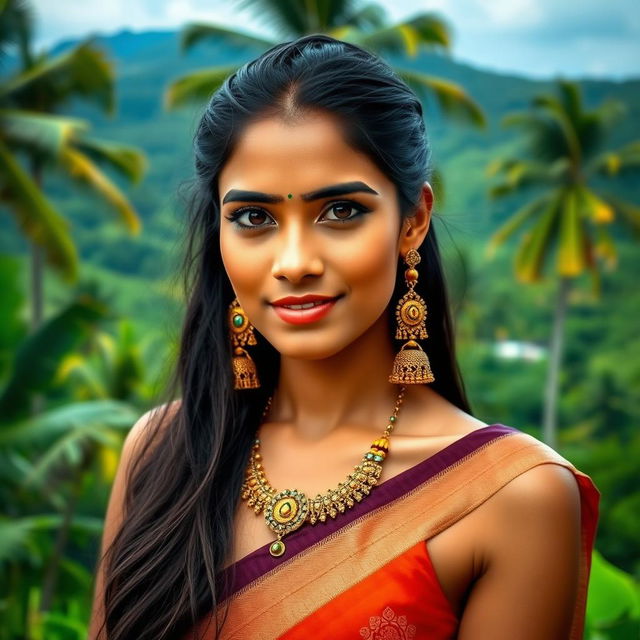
(414, 229)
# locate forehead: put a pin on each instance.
(300, 156)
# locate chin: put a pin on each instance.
(305, 347)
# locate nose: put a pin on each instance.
(296, 253)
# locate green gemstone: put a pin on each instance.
(290, 196)
(237, 320)
(277, 548)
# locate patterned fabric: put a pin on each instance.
(367, 574)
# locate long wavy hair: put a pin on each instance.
(163, 569)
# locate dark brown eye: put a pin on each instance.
(255, 216)
(342, 210)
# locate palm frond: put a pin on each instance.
(38, 357)
(68, 450)
(82, 71)
(39, 133)
(518, 174)
(75, 369)
(515, 222)
(36, 216)
(451, 97)
(612, 163)
(365, 18)
(197, 86)
(554, 108)
(536, 243)
(546, 139)
(573, 256)
(610, 111)
(571, 99)
(197, 32)
(129, 161)
(80, 167)
(406, 38)
(55, 423)
(292, 18)
(605, 247)
(16, 533)
(598, 210)
(629, 214)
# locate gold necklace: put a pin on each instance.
(285, 511)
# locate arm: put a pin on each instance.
(113, 517)
(531, 555)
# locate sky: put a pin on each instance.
(535, 38)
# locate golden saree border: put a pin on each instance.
(281, 598)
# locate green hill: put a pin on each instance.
(145, 65)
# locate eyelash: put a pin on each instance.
(234, 215)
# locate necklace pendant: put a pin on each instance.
(285, 512)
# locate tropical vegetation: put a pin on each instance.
(568, 210)
(98, 356)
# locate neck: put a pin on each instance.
(316, 397)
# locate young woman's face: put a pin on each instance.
(290, 239)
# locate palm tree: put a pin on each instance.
(47, 460)
(568, 213)
(365, 25)
(30, 128)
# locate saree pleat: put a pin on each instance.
(367, 573)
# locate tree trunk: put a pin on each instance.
(51, 572)
(37, 264)
(37, 289)
(549, 421)
(37, 276)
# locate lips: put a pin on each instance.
(306, 300)
(305, 315)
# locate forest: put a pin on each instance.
(95, 169)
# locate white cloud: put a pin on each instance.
(512, 13)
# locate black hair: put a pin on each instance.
(164, 565)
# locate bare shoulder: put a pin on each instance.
(547, 490)
(529, 542)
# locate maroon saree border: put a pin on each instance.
(241, 573)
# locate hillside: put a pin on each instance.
(147, 62)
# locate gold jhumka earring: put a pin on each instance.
(411, 365)
(241, 333)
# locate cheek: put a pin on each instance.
(368, 265)
(242, 272)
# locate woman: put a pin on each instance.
(305, 364)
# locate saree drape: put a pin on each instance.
(367, 574)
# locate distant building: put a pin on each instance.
(515, 349)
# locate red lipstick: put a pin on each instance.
(304, 316)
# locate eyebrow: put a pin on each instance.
(240, 195)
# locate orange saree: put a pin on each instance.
(367, 574)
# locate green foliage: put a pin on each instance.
(96, 375)
(571, 215)
(613, 604)
(28, 98)
(38, 358)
